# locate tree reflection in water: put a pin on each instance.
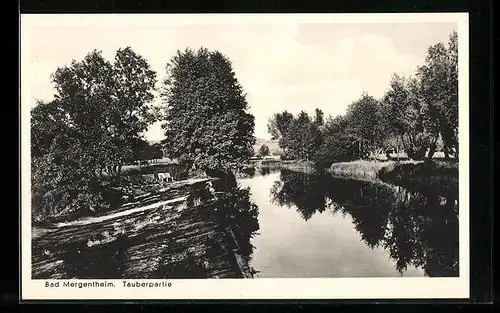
(234, 209)
(417, 227)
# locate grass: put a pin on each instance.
(435, 173)
(408, 171)
(360, 168)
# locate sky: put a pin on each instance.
(289, 66)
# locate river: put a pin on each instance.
(321, 226)
(274, 224)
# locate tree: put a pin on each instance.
(407, 117)
(278, 127)
(439, 79)
(303, 137)
(109, 104)
(336, 145)
(363, 124)
(139, 149)
(264, 150)
(298, 136)
(47, 124)
(319, 117)
(155, 151)
(88, 131)
(206, 120)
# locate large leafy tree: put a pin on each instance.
(336, 145)
(304, 137)
(84, 136)
(439, 81)
(207, 123)
(299, 136)
(264, 150)
(278, 126)
(108, 105)
(319, 117)
(408, 117)
(363, 123)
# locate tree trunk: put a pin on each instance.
(446, 153)
(432, 150)
(406, 146)
(432, 147)
(419, 154)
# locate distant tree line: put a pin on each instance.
(415, 115)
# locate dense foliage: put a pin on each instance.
(82, 138)
(207, 124)
(417, 115)
(144, 150)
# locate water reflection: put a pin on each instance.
(343, 229)
(264, 171)
(416, 228)
(200, 237)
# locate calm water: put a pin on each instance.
(320, 226)
(281, 224)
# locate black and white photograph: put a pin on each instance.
(244, 156)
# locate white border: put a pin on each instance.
(325, 288)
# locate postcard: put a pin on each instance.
(244, 156)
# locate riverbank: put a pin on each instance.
(359, 169)
(404, 172)
(428, 175)
(172, 231)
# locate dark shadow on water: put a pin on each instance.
(416, 227)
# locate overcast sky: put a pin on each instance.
(291, 66)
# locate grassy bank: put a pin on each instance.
(404, 172)
(360, 169)
(437, 174)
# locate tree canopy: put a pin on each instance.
(264, 150)
(207, 123)
(89, 130)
